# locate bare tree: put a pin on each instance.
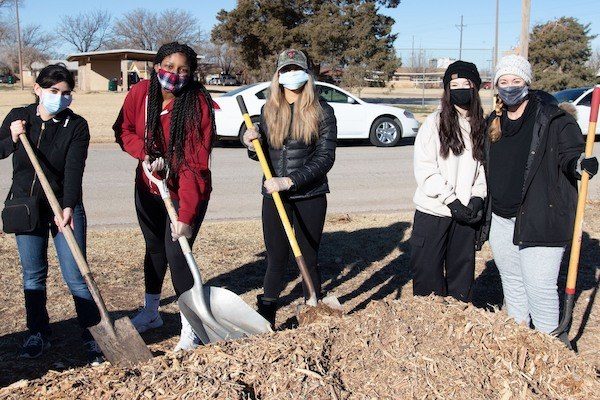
(147, 30)
(594, 61)
(37, 46)
(223, 56)
(85, 31)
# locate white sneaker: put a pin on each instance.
(146, 319)
(188, 339)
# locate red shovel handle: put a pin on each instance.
(595, 104)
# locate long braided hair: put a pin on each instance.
(450, 134)
(186, 117)
(495, 131)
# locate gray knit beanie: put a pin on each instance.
(514, 65)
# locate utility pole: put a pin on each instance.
(460, 27)
(412, 59)
(525, 14)
(423, 83)
(20, 48)
(495, 54)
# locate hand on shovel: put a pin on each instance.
(157, 165)
(17, 128)
(180, 229)
(67, 219)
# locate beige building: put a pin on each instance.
(98, 68)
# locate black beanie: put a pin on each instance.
(462, 69)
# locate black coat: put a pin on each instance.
(61, 151)
(306, 165)
(546, 214)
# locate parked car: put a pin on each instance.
(383, 125)
(228, 80)
(581, 98)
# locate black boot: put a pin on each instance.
(267, 308)
(37, 315)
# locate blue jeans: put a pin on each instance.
(33, 251)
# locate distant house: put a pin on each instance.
(29, 76)
(406, 77)
(441, 63)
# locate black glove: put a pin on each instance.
(476, 204)
(460, 212)
(589, 165)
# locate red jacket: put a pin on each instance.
(192, 182)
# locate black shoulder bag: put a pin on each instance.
(21, 215)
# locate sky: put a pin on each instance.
(431, 24)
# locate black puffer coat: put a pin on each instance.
(306, 165)
(549, 196)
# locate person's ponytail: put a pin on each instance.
(495, 131)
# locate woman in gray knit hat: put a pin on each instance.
(534, 157)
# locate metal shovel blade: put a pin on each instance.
(121, 344)
(234, 318)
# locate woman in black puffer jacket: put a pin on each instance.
(300, 132)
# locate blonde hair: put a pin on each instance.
(495, 131)
(305, 121)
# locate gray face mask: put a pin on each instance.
(513, 95)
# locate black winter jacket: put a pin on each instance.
(61, 147)
(549, 195)
(306, 165)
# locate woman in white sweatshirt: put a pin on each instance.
(451, 186)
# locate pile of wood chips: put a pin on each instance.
(422, 348)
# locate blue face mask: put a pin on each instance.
(55, 102)
(293, 80)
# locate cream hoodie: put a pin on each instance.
(441, 181)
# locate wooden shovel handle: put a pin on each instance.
(289, 231)
(185, 245)
(67, 232)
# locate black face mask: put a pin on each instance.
(460, 97)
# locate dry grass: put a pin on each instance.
(423, 348)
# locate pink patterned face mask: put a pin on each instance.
(172, 82)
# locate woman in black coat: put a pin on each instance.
(60, 139)
(299, 130)
(534, 157)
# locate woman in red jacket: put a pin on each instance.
(168, 121)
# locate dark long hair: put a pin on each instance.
(450, 133)
(186, 117)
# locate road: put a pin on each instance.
(364, 179)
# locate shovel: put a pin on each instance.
(312, 300)
(569, 300)
(120, 342)
(214, 313)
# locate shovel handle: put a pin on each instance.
(67, 232)
(578, 228)
(185, 245)
(289, 231)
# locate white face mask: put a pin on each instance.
(293, 80)
(55, 102)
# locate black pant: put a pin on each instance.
(439, 242)
(160, 248)
(308, 218)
